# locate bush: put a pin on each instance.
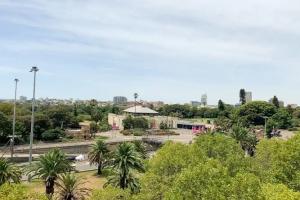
(103, 127)
(53, 134)
(138, 132)
(163, 126)
(137, 122)
(126, 132)
(17, 192)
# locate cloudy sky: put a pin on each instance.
(170, 50)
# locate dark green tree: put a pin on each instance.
(275, 102)
(9, 172)
(221, 105)
(242, 96)
(48, 167)
(98, 155)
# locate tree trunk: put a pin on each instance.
(100, 169)
(50, 186)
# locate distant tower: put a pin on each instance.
(204, 100)
(248, 97)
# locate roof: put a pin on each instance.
(140, 110)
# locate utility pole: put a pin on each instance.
(34, 70)
(12, 142)
(135, 97)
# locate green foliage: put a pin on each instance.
(275, 102)
(5, 128)
(221, 105)
(110, 193)
(18, 192)
(93, 128)
(49, 166)
(53, 134)
(163, 126)
(9, 172)
(125, 161)
(279, 161)
(282, 118)
(253, 113)
(98, 155)
(279, 192)
(242, 96)
(71, 187)
(135, 123)
(194, 183)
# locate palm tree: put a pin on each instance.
(9, 172)
(71, 187)
(140, 148)
(126, 160)
(245, 138)
(135, 95)
(49, 166)
(98, 155)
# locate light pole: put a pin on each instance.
(34, 70)
(12, 142)
(266, 120)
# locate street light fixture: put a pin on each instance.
(34, 70)
(12, 142)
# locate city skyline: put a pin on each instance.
(161, 50)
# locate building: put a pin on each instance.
(195, 103)
(140, 111)
(116, 121)
(119, 100)
(293, 105)
(281, 103)
(248, 96)
(204, 100)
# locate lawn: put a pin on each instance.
(91, 179)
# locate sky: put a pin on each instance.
(169, 50)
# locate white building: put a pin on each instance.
(248, 97)
(204, 100)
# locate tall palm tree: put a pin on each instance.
(71, 187)
(135, 95)
(9, 172)
(126, 160)
(98, 155)
(49, 166)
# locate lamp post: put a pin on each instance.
(266, 120)
(34, 70)
(12, 142)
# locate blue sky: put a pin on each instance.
(168, 50)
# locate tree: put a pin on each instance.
(71, 187)
(98, 155)
(242, 96)
(282, 118)
(93, 128)
(53, 134)
(126, 161)
(253, 113)
(214, 187)
(221, 105)
(245, 138)
(275, 102)
(5, 128)
(9, 172)
(48, 167)
(141, 148)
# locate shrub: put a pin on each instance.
(163, 126)
(126, 132)
(53, 134)
(138, 132)
(104, 127)
(17, 192)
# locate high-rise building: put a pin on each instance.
(120, 100)
(204, 100)
(248, 97)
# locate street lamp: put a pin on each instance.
(14, 119)
(34, 70)
(266, 120)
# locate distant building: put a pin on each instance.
(204, 100)
(120, 100)
(293, 105)
(248, 97)
(195, 103)
(281, 103)
(23, 99)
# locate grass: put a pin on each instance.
(91, 179)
